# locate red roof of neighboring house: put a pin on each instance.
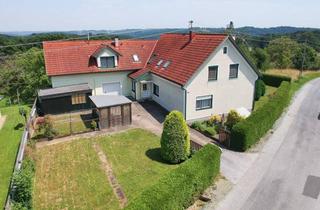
(185, 56)
(75, 57)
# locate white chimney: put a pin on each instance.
(116, 42)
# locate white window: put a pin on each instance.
(155, 89)
(225, 50)
(135, 58)
(204, 102)
(107, 62)
(166, 64)
(233, 72)
(159, 63)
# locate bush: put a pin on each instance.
(205, 128)
(211, 131)
(215, 119)
(247, 132)
(47, 128)
(274, 80)
(23, 182)
(232, 119)
(179, 188)
(175, 138)
(260, 89)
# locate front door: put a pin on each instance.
(146, 90)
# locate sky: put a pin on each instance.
(64, 15)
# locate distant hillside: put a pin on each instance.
(253, 31)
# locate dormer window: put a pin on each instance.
(160, 62)
(107, 62)
(135, 58)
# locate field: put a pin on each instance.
(69, 176)
(10, 135)
(293, 73)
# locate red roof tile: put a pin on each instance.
(185, 56)
(74, 57)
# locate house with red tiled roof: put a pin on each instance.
(197, 74)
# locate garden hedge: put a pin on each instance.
(260, 89)
(274, 80)
(247, 132)
(179, 188)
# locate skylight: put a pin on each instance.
(166, 64)
(160, 62)
(135, 58)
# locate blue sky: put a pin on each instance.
(45, 15)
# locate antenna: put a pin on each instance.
(190, 24)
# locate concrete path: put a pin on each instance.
(286, 175)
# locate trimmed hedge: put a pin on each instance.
(260, 89)
(179, 188)
(247, 132)
(274, 80)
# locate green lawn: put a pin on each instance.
(264, 99)
(10, 136)
(68, 175)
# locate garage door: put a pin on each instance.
(113, 88)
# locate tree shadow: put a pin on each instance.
(154, 154)
(18, 126)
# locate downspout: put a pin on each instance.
(185, 103)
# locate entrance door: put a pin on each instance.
(113, 88)
(146, 90)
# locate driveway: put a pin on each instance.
(286, 175)
(149, 115)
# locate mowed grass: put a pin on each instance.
(135, 159)
(10, 135)
(69, 176)
(264, 99)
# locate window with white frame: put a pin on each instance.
(213, 73)
(233, 72)
(204, 102)
(225, 50)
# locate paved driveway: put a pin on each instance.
(150, 116)
(287, 173)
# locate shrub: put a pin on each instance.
(196, 125)
(274, 80)
(211, 131)
(179, 188)
(23, 181)
(215, 119)
(260, 89)
(247, 132)
(232, 119)
(47, 128)
(175, 138)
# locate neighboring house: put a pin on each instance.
(197, 74)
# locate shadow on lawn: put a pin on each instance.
(154, 154)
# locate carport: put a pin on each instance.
(112, 110)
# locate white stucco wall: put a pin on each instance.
(227, 93)
(171, 95)
(96, 80)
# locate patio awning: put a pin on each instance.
(63, 91)
(103, 101)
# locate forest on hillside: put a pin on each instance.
(22, 70)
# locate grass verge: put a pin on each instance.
(10, 135)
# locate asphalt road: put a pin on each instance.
(286, 175)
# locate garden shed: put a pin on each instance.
(112, 110)
(64, 99)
